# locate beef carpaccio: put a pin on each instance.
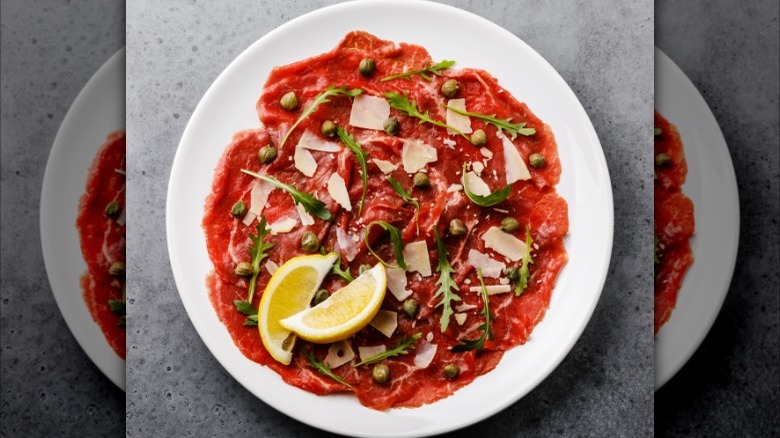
(674, 220)
(416, 147)
(101, 226)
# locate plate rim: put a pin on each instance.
(109, 365)
(176, 169)
(695, 341)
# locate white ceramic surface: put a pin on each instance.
(229, 106)
(712, 187)
(97, 111)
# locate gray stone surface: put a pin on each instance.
(48, 386)
(731, 386)
(176, 50)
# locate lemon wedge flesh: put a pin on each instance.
(344, 313)
(289, 291)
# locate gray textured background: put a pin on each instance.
(731, 386)
(49, 387)
(176, 50)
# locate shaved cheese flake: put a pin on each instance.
(337, 189)
(120, 220)
(449, 142)
(304, 161)
(416, 257)
(271, 267)
(311, 141)
(415, 155)
(425, 353)
(478, 167)
(460, 318)
(396, 282)
(458, 121)
(516, 169)
(487, 153)
(490, 267)
(429, 337)
(505, 244)
(454, 188)
(386, 322)
(493, 289)
(476, 185)
(347, 244)
(384, 165)
(306, 218)
(370, 351)
(283, 226)
(249, 218)
(339, 354)
(465, 307)
(369, 112)
(258, 197)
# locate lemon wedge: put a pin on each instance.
(289, 291)
(344, 313)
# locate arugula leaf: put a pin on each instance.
(361, 156)
(406, 196)
(447, 286)
(657, 131)
(245, 307)
(525, 272)
(395, 238)
(343, 273)
(258, 253)
(402, 103)
(402, 347)
(319, 100)
(424, 72)
(308, 201)
(506, 124)
(490, 200)
(479, 344)
(322, 368)
(251, 320)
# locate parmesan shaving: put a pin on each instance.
(258, 196)
(311, 141)
(454, 188)
(396, 282)
(415, 155)
(249, 218)
(386, 322)
(271, 267)
(478, 167)
(348, 245)
(465, 307)
(417, 259)
(370, 351)
(283, 226)
(339, 354)
(476, 185)
(306, 218)
(458, 121)
(490, 267)
(516, 169)
(493, 289)
(337, 189)
(449, 142)
(505, 244)
(384, 165)
(304, 162)
(460, 318)
(120, 220)
(487, 153)
(425, 353)
(369, 112)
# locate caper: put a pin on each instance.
(366, 67)
(117, 269)
(363, 268)
(512, 274)
(450, 88)
(112, 209)
(266, 154)
(657, 131)
(391, 126)
(310, 242)
(320, 296)
(478, 137)
(289, 101)
(509, 224)
(381, 373)
(451, 371)
(244, 269)
(457, 228)
(662, 160)
(328, 128)
(410, 307)
(537, 160)
(421, 180)
(238, 210)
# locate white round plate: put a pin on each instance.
(98, 110)
(229, 106)
(712, 187)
